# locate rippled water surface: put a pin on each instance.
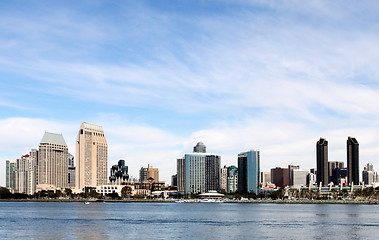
(50, 220)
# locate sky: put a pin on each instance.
(160, 76)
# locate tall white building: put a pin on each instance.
(52, 161)
(199, 172)
(25, 175)
(299, 177)
(91, 157)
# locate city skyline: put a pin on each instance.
(160, 77)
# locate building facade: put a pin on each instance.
(91, 156)
(280, 177)
(322, 176)
(199, 172)
(52, 164)
(249, 171)
(292, 167)
(352, 147)
(333, 165)
(224, 179)
(11, 167)
(299, 177)
(119, 173)
(25, 175)
(232, 183)
(71, 171)
(149, 172)
(368, 174)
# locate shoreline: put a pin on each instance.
(263, 201)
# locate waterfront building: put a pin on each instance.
(333, 165)
(280, 177)
(322, 175)
(181, 174)
(265, 179)
(119, 173)
(147, 173)
(299, 177)
(71, 171)
(352, 160)
(25, 177)
(339, 176)
(11, 167)
(174, 180)
(91, 157)
(249, 171)
(199, 172)
(368, 174)
(291, 167)
(224, 179)
(311, 179)
(52, 164)
(232, 183)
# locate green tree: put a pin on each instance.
(126, 192)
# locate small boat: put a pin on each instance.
(86, 202)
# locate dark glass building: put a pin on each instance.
(322, 175)
(352, 160)
(119, 173)
(280, 176)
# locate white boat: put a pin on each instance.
(86, 202)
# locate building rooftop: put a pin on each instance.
(92, 127)
(53, 138)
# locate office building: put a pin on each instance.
(71, 171)
(25, 177)
(368, 174)
(352, 160)
(232, 183)
(248, 172)
(91, 157)
(148, 173)
(333, 165)
(290, 172)
(11, 167)
(322, 176)
(174, 180)
(299, 177)
(119, 173)
(265, 179)
(199, 172)
(52, 164)
(224, 179)
(339, 176)
(280, 177)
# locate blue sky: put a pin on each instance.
(160, 76)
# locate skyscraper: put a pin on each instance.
(232, 179)
(280, 176)
(199, 172)
(352, 160)
(91, 156)
(25, 177)
(248, 172)
(52, 162)
(10, 174)
(322, 162)
(71, 171)
(119, 173)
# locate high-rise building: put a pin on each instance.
(368, 174)
(52, 161)
(352, 160)
(71, 171)
(148, 173)
(291, 167)
(333, 165)
(119, 173)
(339, 176)
(224, 179)
(174, 180)
(322, 176)
(25, 178)
(199, 172)
(249, 172)
(11, 167)
(91, 157)
(280, 177)
(265, 179)
(232, 184)
(299, 177)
